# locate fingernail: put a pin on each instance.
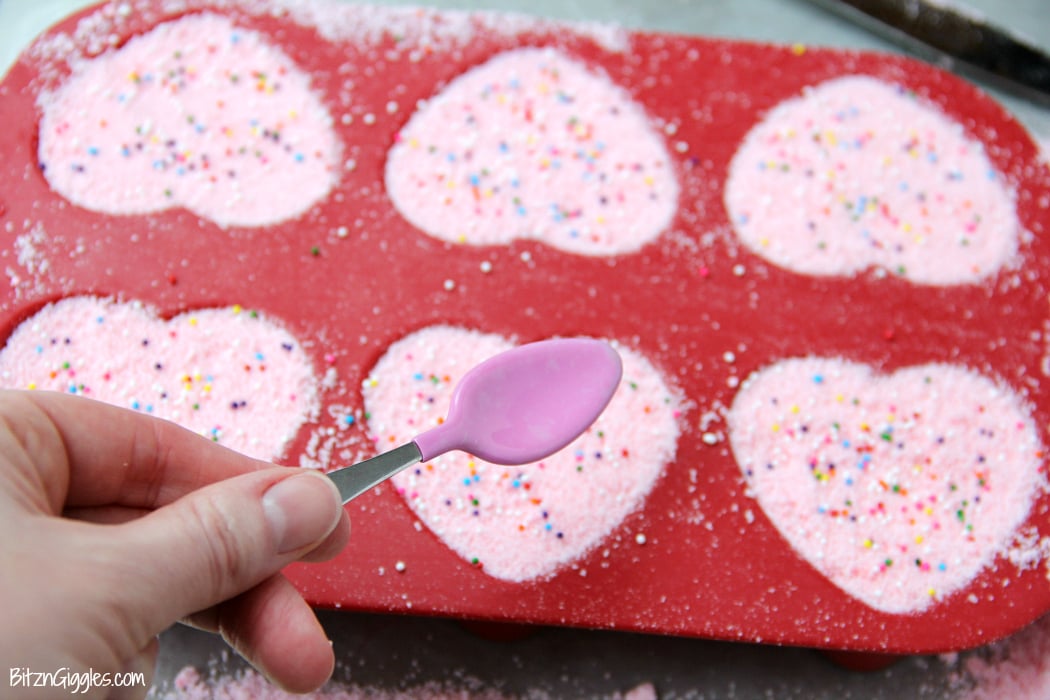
(301, 510)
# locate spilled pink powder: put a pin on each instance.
(534, 145)
(857, 173)
(196, 113)
(229, 374)
(900, 488)
(249, 685)
(1017, 668)
(521, 522)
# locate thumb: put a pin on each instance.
(219, 541)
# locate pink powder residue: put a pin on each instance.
(518, 523)
(645, 691)
(228, 374)
(196, 113)
(857, 173)
(249, 685)
(421, 29)
(1017, 668)
(534, 145)
(899, 488)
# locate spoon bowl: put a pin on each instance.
(517, 407)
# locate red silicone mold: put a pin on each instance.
(681, 304)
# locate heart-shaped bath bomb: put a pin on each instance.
(857, 173)
(534, 145)
(197, 113)
(226, 373)
(522, 522)
(899, 488)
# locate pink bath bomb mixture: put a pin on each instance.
(196, 113)
(534, 145)
(857, 174)
(522, 522)
(899, 488)
(229, 374)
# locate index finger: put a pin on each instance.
(106, 455)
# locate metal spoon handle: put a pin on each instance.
(354, 480)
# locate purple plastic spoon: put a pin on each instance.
(517, 407)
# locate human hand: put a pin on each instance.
(115, 525)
